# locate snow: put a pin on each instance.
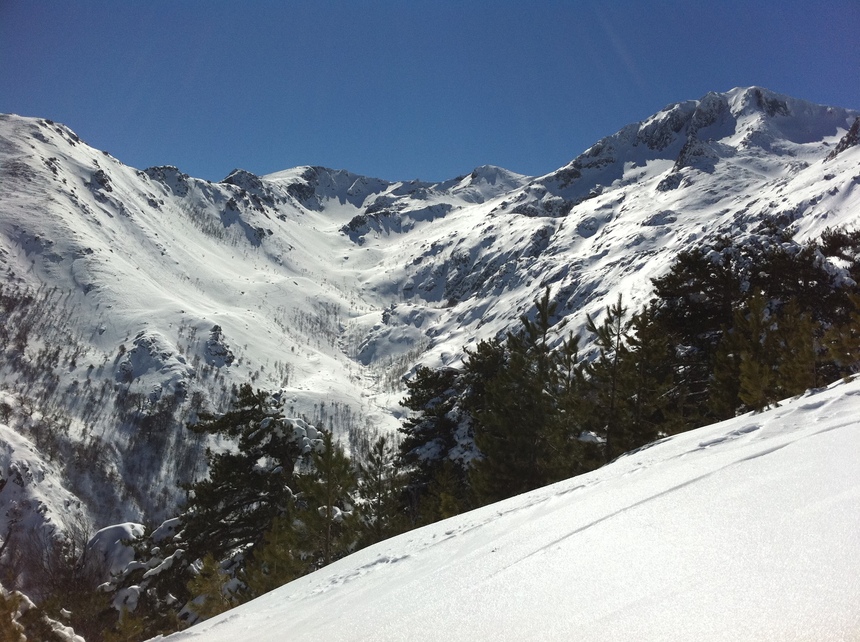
(166, 530)
(744, 530)
(34, 504)
(126, 599)
(113, 545)
(11, 623)
(331, 286)
(165, 564)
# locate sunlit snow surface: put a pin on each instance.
(330, 287)
(745, 530)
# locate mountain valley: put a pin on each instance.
(133, 300)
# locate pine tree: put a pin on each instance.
(609, 377)
(208, 587)
(130, 628)
(511, 426)
(842, 340)
(439, 440)
(724, 388)
(444, 496)
(757, 378)
(843, 245)
(656, 403)
(22, 620)
(522, 426)
(322, 527)
(379, 488)
(798, 352)
(567, 454)
(228, 513)
(247, 488)
(328, 517)
(699, 293)
(277, 560)
(429, 433)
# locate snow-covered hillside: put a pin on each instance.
(744, 530)
(135, 298)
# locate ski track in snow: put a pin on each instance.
(331, 286)
(751, 537)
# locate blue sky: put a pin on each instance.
(400, 90)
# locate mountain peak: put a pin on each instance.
(493, 175)
(694, 134)
(746, 100)
(244, 179)
(331, 285)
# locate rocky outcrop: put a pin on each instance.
(850, 139)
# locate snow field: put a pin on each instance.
(747, 529)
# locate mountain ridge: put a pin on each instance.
(332, 286)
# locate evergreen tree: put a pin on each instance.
(22, 620)
(148, 603)
(228, 513)
(129, 628)
(511, 426)
(277, 560)
(706, 285)
(519, 427)
(479, 368)
(610, 378)
(797, 370)
(843, 245)
(842, 340)
(438, 439)
(757, 376)
(568, 454)
(444, 496)
(724, 389)
(327, 518)
(429, 433)
(320, 526)
(656, 400)
(248, 488)
(209, 588)
(378, 488)
(768, 356)
(699, 293)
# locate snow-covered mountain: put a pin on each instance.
(744, 530)
(134, 298)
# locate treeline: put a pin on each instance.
(733, 326)
(281, 500)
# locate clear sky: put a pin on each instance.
(401, 89)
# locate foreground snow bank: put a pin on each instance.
(748, 529)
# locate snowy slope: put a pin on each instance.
(153, 292)
(35, 502)
(744, 530)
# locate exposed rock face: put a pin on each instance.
(850, 139)
(289, 280)
(217, 352)
(170, 177)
